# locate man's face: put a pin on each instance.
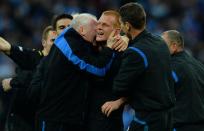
(104, 27)
(62, 24)
(89, 31)
(50, 40)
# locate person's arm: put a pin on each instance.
(20, 81)
(34, 90)
(6, 84)
(108, 107)
(96, 64)
(5, 46)
(22, 78)
(118, 43)
(25, 58)
(134, 62)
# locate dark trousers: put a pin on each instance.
(105, 124)
(5, 101)
(97, 121)
(17, 123)
(189, 127)
(57, 126)
(20, 116)
(152, 121)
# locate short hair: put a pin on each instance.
(116, 15)
(46, 31)
(82, 19)
(133, 13)
(59, 17)
(176, 37)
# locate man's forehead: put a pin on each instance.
(108, 19)
(62, 21)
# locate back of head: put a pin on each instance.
(175, 37)
(83, 19)
(174, 41)
(85, 25)
(133, 13)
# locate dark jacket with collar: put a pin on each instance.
(145, 75)
(189, 89)
(65, 79)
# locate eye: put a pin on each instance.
(61, 27)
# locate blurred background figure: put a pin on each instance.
(21, 21)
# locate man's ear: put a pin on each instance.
(43, 42)
(175, 47)
(117, 31)
(127, 26)
(81, 31)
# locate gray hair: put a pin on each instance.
(175, 36)
(81, 20)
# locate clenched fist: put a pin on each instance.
(5, 46)
(6, 84)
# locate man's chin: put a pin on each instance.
(100, 42)
(100, 39)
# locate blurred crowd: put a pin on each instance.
(22, 21)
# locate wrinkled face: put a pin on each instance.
(89, 31)
(104, 27)
(62, 24)
(47, 44)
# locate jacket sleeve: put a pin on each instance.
(131, 68)
(25, 58)
(22, 78)
(34, 90)
(96, 64)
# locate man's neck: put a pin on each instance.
(45, 52)
(134, 33)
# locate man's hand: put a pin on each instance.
(6, 84)
(111, 39)
(111, 106)
(117, 42)
(121, 43)
(5, 46)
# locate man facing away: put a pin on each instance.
(188, 113)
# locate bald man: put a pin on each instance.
(189, 82)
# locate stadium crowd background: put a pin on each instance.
(22, 21)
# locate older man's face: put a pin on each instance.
(90, 31)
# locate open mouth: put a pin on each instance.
(100, 34)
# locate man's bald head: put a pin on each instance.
(174, 40)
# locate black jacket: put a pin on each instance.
(25, 58)
(189, 89)
(64, 81)
(145, 74)
(102, 90)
